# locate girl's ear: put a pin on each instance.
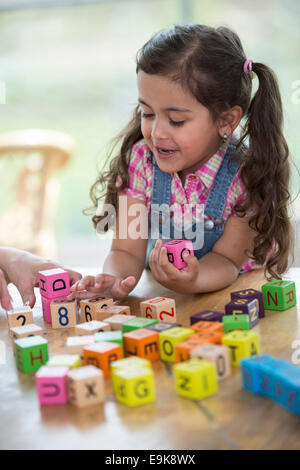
(229, 120)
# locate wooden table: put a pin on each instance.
(232, 419)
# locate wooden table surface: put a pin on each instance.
(232, 419)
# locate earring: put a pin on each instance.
(225, 137)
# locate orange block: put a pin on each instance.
(101, 355)
(183, 349)
(208, 326)
(212, 337)
(143, 343)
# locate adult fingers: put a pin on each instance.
(5, 298)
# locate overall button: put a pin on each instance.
(209, 225)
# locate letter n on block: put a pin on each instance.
(279, 295)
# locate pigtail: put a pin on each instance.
(266, 174)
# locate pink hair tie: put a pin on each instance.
(248, 66)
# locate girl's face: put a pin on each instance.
(177, 128)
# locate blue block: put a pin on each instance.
(250, 369)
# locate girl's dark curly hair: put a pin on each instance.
(208, 62)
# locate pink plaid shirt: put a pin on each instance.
(195, 190)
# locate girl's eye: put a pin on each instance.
(174, 123)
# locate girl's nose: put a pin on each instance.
(158, 130)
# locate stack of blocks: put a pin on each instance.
(54, 286)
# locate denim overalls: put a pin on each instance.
(214, 207)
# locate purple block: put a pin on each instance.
(206, 315)
(251, 294)
(244, 306)
(162, 326)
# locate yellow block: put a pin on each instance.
(169, 338)
(134, 386)
(126, 363)
(241, 344)
(67, 360)
(195, 379)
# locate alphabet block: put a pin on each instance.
(116, 321)
(112, 310)
(183, 350)
(159, 308)
(134, 386)
(91, 328)
(86, 386)
(137, 323)
(208, 327)
(51, 385)
(72, 361)
(218, 355)
(168, 339)
(213, 337)
(63, 313)
(175, 251)
(162, 326)
(46, 308)
(75, 344)
(241, 344)
(196, 379)
(26, 330)
(133, 361)
(89, 307)
(101, 355)
(207, 315)
(19, 316)
(242, 307)
(143, 343)
(110, 336)
(54, 283)
(31, 353)
(279, 295)
(251, 294)
(236, 322)
(250, 371)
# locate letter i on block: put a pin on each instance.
(54, 283)
(63, 313)
(51, 384)
(195, 379)
(279, 295)
(241, 344)
(175, 251)
(31, 353)
(134, 386)
(86, 386)
(159, 308)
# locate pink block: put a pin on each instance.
(175, 250)
(51, 384)
(54, 283)
(46, 308)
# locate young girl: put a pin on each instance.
(194, 88)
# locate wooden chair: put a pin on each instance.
(31, 159)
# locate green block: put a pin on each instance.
(110, 336)
(137, 323)
(236, 322)
(279, 294)
(31, 353)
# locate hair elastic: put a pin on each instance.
(248, 66)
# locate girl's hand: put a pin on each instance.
(182, 281)
(22, 268)
(105, 285)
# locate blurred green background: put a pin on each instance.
(72, 69)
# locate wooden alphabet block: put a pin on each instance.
(75, 344)
(208, 327)
(143, 343)
(279, 295)
(207, 315)
(19, 316)
(63, 313)
(196, 379)
(236, 322)
(111, 310)
(168, 339)
(91, 328)
(134, 386)
(101, 355)
(241, 344)
(110, 336)
(72, 361)
(251, 294)
(218, 355)
(159, 308)
(31, 353)
(26, 330)
(51, 385)
(137, 323)
(89, 307)
(183, 350)
(175, 251)
(116, 321)
(244, 306)
(46, 308)
(54, 283)
(86, 386)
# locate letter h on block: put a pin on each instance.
(175, 251)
